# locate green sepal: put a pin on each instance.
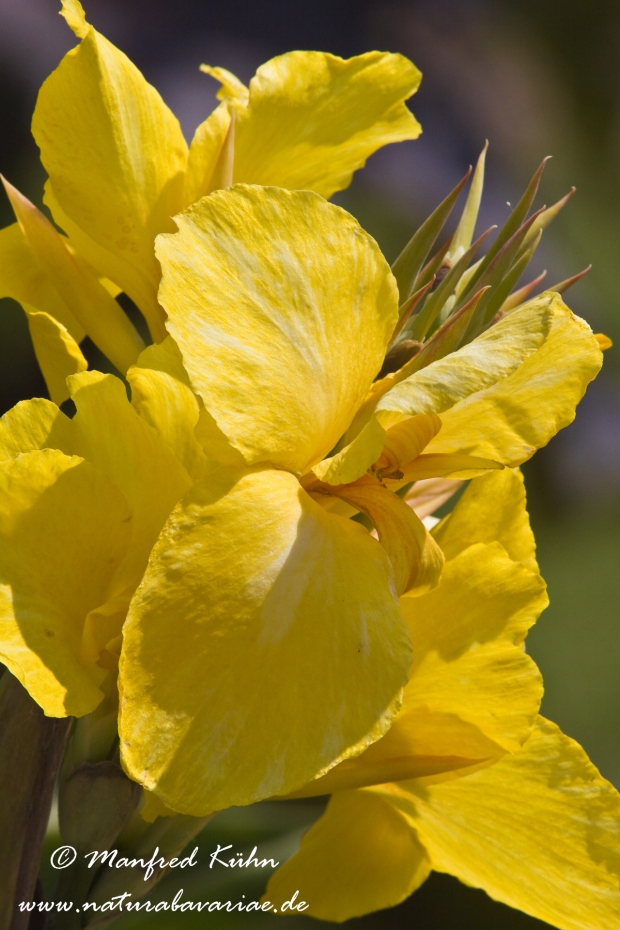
(408, 264)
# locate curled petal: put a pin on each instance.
(355, 459)
(416, 558)
(505, 394)
(405, 441)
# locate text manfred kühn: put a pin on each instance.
(150, 866)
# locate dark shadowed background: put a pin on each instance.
(535, 77)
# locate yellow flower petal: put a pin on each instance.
(162, 395)
(32, 425)
(111, 435)
(468, 660)
(313, 119)
(405, 441)
(416, 558)
(444, 465)
(481, 364)
(107, 432)
(283, 651)
(250, 302)
(204, 153)
(89, 301)
(604, 341)
(58, 354)
(73, 12)
(491, 508)
(507, 393)
(362, 855)
(64, 529)
(23, 279)
(154, 807)
(540, 831)
(428, 494)
(473, 693)
(102, 626)
(355, 459)
(116, 159)
(232, 88)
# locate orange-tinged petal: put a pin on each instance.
(406, 440)
(416, 558)
(428, 494)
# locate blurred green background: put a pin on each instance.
(535, 77)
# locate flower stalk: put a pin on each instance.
(31, 752)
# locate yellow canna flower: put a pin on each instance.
(468, 780)
(119, 170)
(263, 612)
(265, 644)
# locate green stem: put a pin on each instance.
(31, 751)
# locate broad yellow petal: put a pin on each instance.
(540, 831)
(32, 425)
(64, 529)
(162, 395)
(313, 119)
(278, 289)
(89, 301)
(473, 693)
(282, 652)
(110, 434)
(116, 160)
(491, 509)
(362, 855)
(23, 279)
(507, 393)
(467, 636)
(107, 432)
(58, 354)
(204, 153)
(481, 364)
(416, 558)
